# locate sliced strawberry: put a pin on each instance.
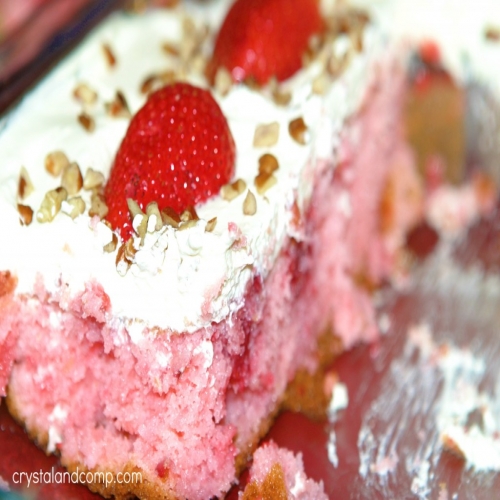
(178, 151)
(260, 39)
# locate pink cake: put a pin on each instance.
(171, 360)
(278, 473)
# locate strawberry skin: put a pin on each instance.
(260, 39)
(178, 151)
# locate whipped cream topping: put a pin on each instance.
(180, 280)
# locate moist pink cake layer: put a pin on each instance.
(180, 405)
(298, 485)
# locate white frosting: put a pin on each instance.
(184, 280)
(201, 277)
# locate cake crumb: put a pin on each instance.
(272, 488)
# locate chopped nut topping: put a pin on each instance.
(149, 84)
(109, 56)
(347, 19)
(139, 6)
(344, 21)
(189, 214)
(250, 204)
(280, 97)
(51, 204)
(198, 63)
(26, 214)
(320, 84)
(134, 208)
(142, 228)
(92, 179)
(136, 6)
(111, 246)
(223, 81)
(356, 37)
(266, 135)
(118, 108)
(71, 179)
(77, 206)
(337, 64)
(264, 182)
(85, 94)
(170, 49)
(231, 191)
(492, 33)
(24, 186)
(130, 250)
(152, 209)
(188, 27)
(211, 225)
(56, 162)
(268, 164)
(188, 48)
(170, 217)
(298, 130)
(87, 122)
(98, 206)
(252, 83)
(187, 224)
(125, 257)
(154, 82)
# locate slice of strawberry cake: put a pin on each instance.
(192, 202)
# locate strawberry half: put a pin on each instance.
(260, 39)
(178, 151)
